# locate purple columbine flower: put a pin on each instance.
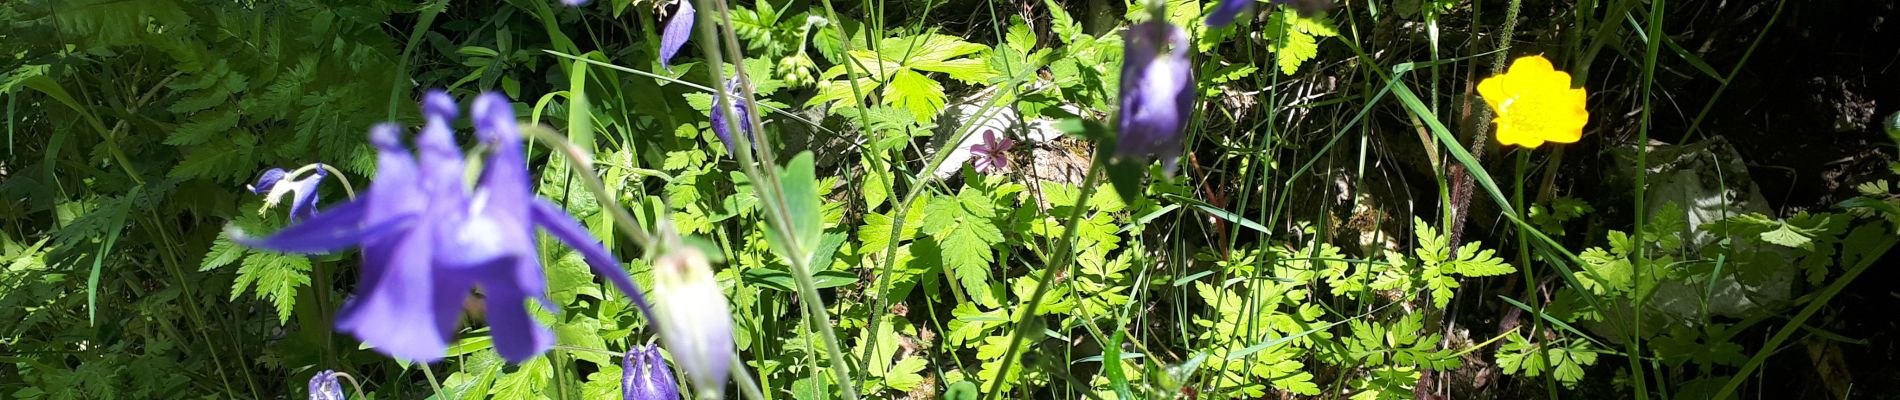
(428, 239)
(275, 183)
(267, 181)
(1157, 92)
(1225, 12)
(740, 110)
(993, 154)
(679, 28)
(644, 376)
(323, 386)
(573, 3)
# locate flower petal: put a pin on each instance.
(338, 228)
(267, 181)
(644, 376)
(303, 202)
(518, 337)
(1157, 93)
(324, 386)
(564, 227)
(742, 112)
(678, 29)
(385, 315)
(1225, 12)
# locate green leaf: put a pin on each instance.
(781, 280)
(223, 252)
(528, 382)
(905, 375)
(915, 92)
(1477, 261)
(964, 228)
(1788, 236)
(275, 277)
(800, 188)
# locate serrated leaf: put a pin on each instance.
(915, 92)
(1788, 236)
(905, 376)
(1292, 50)
(223, 252)
(275, 278)
(1478, 261)
(203, 127)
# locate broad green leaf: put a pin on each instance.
(800, 188)
(782, 280)
(915, 92)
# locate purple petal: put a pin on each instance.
(324, 386)
(386, 315)
(573, 3)
(267, 181)
(303, 203)
(644, 376)
(1225, 12)
(504, 193)
(393, 194)
(338, 228)
(518, 337)
(678, 29)
(602, 262)
(1157, 93)
(742, 112)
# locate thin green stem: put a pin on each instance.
(1065, 254)
(771, 193)
(1634, 345)
(591, 181)
(433, 384)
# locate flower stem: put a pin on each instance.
(591, 180)
(771, 192)
(433, 385)
(1065, 255)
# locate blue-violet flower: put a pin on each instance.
(740, 110)
(679, 28)
(428, 240)
(1157, 92)
(275, 183)
(644, 376)
(324, 386)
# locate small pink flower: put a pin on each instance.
(993, 154)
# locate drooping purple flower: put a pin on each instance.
(1157, 92)
(275, 183)
(993, 154)
(324, 386)
(1225, 11)
(740, 110)
(573, 3)
(428, 240)
(679, 28)
(266, 181)
(644, 376)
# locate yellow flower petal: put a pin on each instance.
(1534, 104)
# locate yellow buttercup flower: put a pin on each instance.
(1534, 104)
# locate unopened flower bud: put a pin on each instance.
(695, 322)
